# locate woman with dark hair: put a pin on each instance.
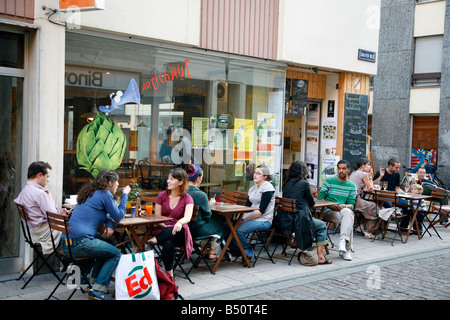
(177, 204)
(307, 229)
(207, 223)
(96, 206)
(362, 178)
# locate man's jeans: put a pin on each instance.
(106, 257)
(243, 230)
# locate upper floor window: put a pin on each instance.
(428, 60)
(12, 53)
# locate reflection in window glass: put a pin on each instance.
(192, 108)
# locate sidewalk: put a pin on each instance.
(233, 281)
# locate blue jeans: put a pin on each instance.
(243, 230)
(106, 257)
(320, 231)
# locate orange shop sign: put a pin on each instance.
(82, 5)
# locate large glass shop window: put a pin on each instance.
(221, 113)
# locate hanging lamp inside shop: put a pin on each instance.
(141, 125)
(90, 116)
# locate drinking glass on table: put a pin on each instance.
(384, 184)
(149, 208)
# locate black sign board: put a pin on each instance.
(355, 127)
(299, 96)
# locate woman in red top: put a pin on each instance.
(178, 205)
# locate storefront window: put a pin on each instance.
(223, 113)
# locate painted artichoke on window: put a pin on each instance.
(100, 145)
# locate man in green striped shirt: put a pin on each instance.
(341, 190)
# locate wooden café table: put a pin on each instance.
(229, 210)
(131, 226)
(415, 209)
(322, 204)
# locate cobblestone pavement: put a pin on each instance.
(421, 279)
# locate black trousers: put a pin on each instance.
(169, 241)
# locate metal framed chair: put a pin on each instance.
(61, 223)
(39, 256)
(201, 249)
(284, 205)
(382, 196)
(149, 180)
(437, 197)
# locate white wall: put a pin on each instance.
(328, 33)
(44, 135)
(424, 100)
(429, 19)
(171, 20)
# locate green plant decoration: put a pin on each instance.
(100, 145)
(135, 189)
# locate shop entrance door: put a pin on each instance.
(11, 246)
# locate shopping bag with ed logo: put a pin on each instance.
(136, 277)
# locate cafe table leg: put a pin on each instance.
(414, 220)
(230, 237)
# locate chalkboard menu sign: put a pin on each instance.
(299, 96)
(355, 127)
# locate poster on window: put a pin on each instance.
(265, 127)
(133, 140)
(243, 139)
(312, 143)
(218, 128)
(199, 135)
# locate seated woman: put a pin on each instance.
(306, 228)
(207, 223)
(261, 197)
(362, 178)
(177, 204)
(96, 206)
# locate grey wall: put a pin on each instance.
(391, 120)
(444, 116)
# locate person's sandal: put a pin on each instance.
(213, 257)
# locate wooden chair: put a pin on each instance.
(61, 223)
(36, 246)
(241, 197)
(227, 183)
(228, 196)
(382, 196)
(437, 197)
(283, 205)
(201, 250)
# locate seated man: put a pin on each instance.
(37, 202)
(391, 175)
(341, 190)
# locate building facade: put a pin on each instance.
(410, 91)
(244, 82)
